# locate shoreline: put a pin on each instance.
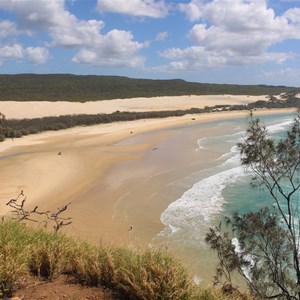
(141, 126)
(32, 162)
(92, 173)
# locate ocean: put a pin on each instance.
(220, 191)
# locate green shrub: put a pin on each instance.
(14, 251)
(51, 256)
(13, 268)
(16, 234)
(87, 265)
(152, 275)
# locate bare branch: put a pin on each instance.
(20, 213)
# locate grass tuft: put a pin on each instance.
(87, 265)
(152, 275)
(51, 257)
(13, 266)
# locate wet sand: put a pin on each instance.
(92, 171)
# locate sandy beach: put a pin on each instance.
(49, 180)
(116, 176)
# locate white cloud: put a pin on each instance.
(38, 14)
(77, 33)
(52, 18)
(293, 15)
(282, 73)
(286, 76)
(66, 30)
(37, 55)
(161, 36)
(14, 51)
(233, 33)
(117, 48)
(192, 9)
(7, 28)
(144, 8)
(193, 58)
(198, 58)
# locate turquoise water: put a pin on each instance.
(239, 196)
(225, 189)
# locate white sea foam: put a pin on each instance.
(225, 156)
(248, 258)
(173, 228)
(201, 142)
(205, 143)
(233, 157)
(194, 210)
(198, 205)
(203, 201)
(279, 127)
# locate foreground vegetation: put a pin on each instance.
(130, 275)
(67, 87)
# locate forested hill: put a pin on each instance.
(79, 88)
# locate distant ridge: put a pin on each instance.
(81, 88)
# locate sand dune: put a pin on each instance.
(35, 109)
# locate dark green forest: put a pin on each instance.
(79, 88)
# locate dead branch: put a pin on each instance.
(19, 212)
(58, 220)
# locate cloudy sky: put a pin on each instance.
(220, 41)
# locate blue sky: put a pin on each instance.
(216, 41)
